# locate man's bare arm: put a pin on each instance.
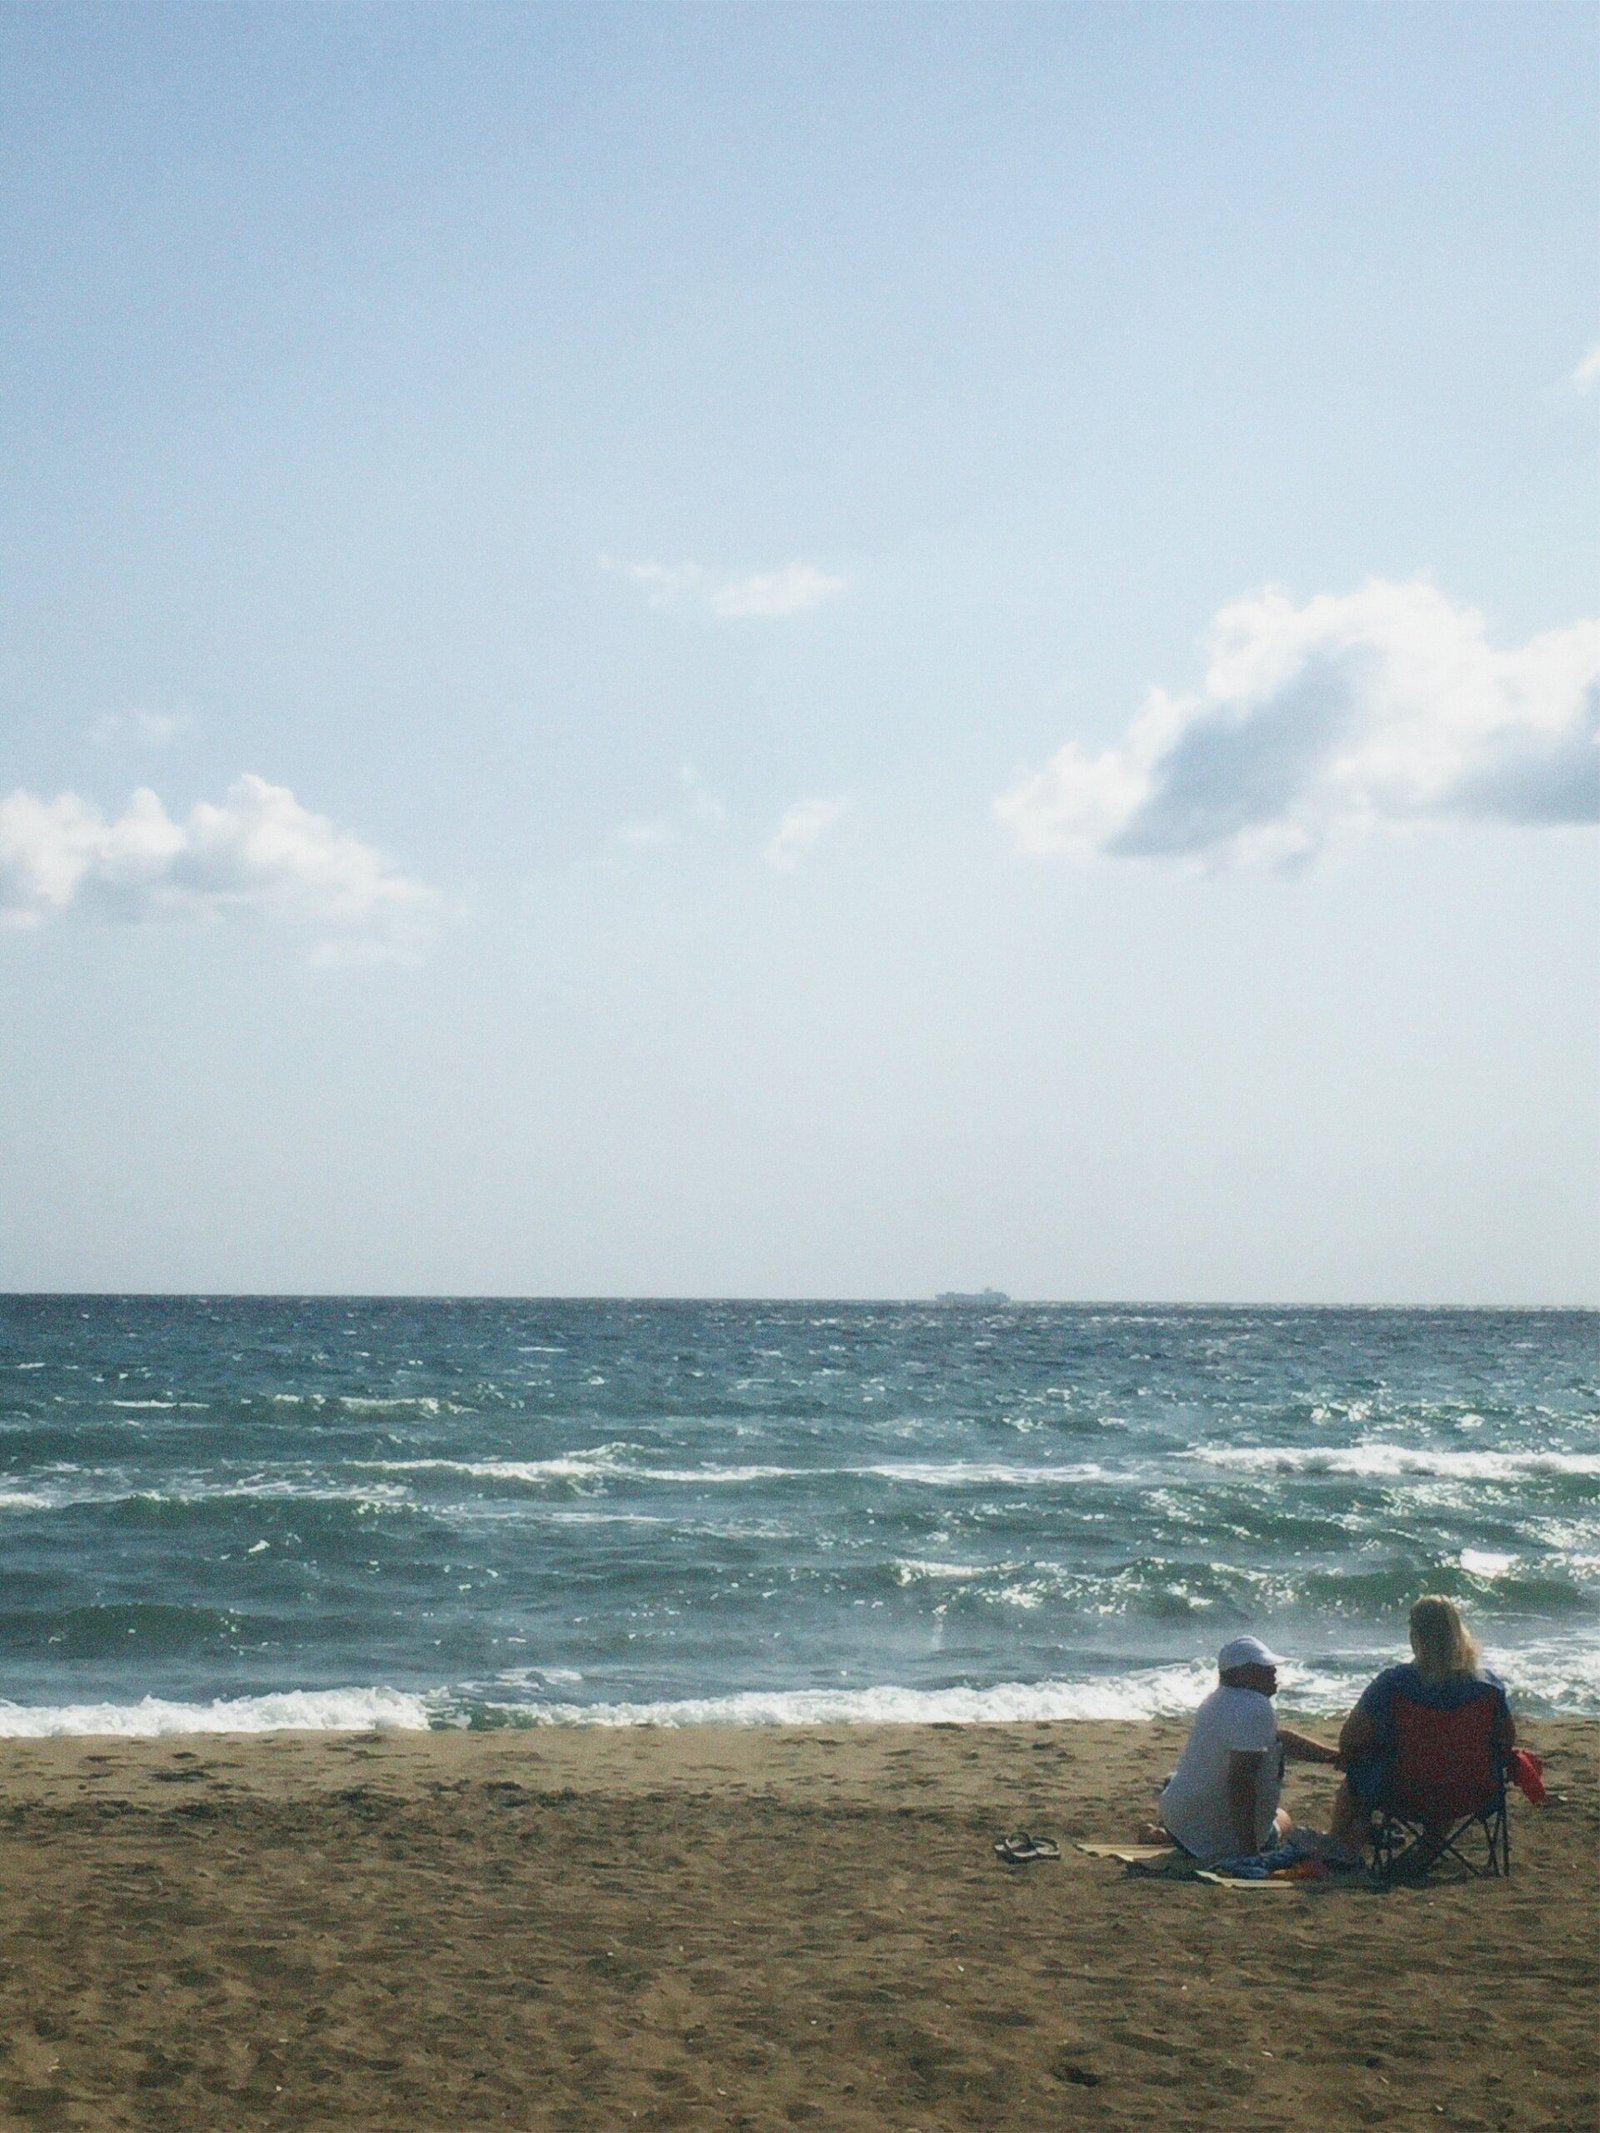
(1301, 1748)
(1244, 1779)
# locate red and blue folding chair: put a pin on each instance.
(1445, 1797)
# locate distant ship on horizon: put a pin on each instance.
(972, 1296)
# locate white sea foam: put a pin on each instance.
(602, 1462)
(1555, 1678)
(910, 1570)
(719, 1476)
(597, 1462)
(283, 1489)
(1562, 1679)
(422, 1403)
(160, 1406)
(1382, 1461)
(60, 1493)
(317, 1710)
(564, 1515)
(622, 1462)
(103, 1488)
(1558, 1678)
(1159, 1692)
(972, 1473)
(1486, 1562)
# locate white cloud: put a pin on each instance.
(1380, 706)
(144, 729)
(704, 807)
(665, 585)
(698, 809)
(799, 828)
(775, 592)
(789, 591)
(648, 836)
(257, 855)
(1587, 375)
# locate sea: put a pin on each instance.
(235, 1513)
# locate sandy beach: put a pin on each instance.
(759, 1928)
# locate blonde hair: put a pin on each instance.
(1442, 1643)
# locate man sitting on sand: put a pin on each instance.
(1222, 1800)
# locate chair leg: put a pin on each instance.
(1395, 1847)
(1401, 1848)
(1383, 1832)
(1495, 1829)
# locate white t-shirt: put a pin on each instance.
(1194, 1805)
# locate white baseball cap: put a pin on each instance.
(1246, 1651)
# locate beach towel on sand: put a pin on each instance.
(1295, 1863)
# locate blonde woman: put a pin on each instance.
(1445, 1673)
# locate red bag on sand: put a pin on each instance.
(1527, 1774)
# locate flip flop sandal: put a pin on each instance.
(1022, 1850)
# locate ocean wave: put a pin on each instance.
(625, 1462)
(975, 1473)
(597, 1462)
(161, 1407)
(1158, 1692)
(266, 1488)
(1486, 1562)
(596, 1465)
(913, 1570)
(1179, 1589)
(179, 1493)
(60, 1495)
(601, 1462)
(312, 1710)
(1381, 1461)
(719, 1476)
(1555, 1680)
(421, 1403)
(565, 1516)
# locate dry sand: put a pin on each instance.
(708, 1929)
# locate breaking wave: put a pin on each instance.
(318, 1710)
(1383, 1461)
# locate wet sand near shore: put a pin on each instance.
(762, 1928)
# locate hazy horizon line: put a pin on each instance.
(970, 1300)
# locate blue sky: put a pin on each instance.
(628, 550)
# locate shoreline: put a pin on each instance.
(576, 1928)
(968, 1756)
(605, 1754)
(1164, 1692)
